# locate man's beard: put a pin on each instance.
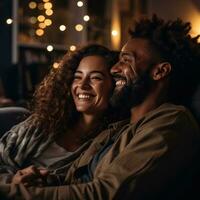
(132, 94)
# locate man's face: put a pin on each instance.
(132, 73)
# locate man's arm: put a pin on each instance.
(164, 143)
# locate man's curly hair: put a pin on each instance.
(52, 106)
(171, 40)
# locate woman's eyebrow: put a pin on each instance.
(98, 72)
(92, 72)
(77, 71)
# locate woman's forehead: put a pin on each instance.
(93, 63)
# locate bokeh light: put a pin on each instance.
(72, 48)
(39, 32)
(79, 3)
(86, 18)
(49, 48)
(79, 27)
(9, 21)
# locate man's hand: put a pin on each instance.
(31, 176)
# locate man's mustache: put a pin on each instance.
(118, 76)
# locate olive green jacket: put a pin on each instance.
(145, 158)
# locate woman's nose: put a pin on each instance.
(84, 83)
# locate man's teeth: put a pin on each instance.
(120, 82)
(83, 96)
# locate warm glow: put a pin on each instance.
(32, 5)
(49, 12)
(114, 33)
(195, 21)
(42, 25)
(86, 18)
(41, 18)
(9, 21)
(40, 6)
(79, 27)
(33, 20)
(49, 48)
(48, 5)
(79, 3)
(48, 22)
(45, 1)
(39, 32)
(62, 27)
(55, 65)
(72, 48)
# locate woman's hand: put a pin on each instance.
(31, 176)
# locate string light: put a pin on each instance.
(48, 22)
(32, 20)
(49, 12)
(32, 5)
(40, 6)
(79, 3)
(42, 25)
(41, 18)
(62, 27)
(49, 48)
(39, 32)
(48, 5)
(9, 21)
(86, 18)
(79, 27)
(72, 48)
(55, 65)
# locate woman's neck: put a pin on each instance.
(80, 132)
(87, 123)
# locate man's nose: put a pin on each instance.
(116, 68)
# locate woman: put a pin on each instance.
(70, 107)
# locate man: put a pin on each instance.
(141, 157)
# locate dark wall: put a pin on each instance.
(5, 35)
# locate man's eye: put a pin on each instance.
(126, 60)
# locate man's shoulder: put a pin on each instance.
(170, 108)
(171, 116)
(166, 116)
(169, 111)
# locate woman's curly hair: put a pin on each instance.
(171, 40)
(52, 106)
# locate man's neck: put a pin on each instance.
(152, 101)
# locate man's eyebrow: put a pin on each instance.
(126, 54)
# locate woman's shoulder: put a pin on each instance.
(28, 126)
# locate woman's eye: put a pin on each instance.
(77, 77)
(96, 78)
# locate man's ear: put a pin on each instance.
(161, 70)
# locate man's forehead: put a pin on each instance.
(130, 48)
(136, 46)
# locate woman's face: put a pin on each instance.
(92, 85)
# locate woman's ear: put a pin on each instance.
(161, 70)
